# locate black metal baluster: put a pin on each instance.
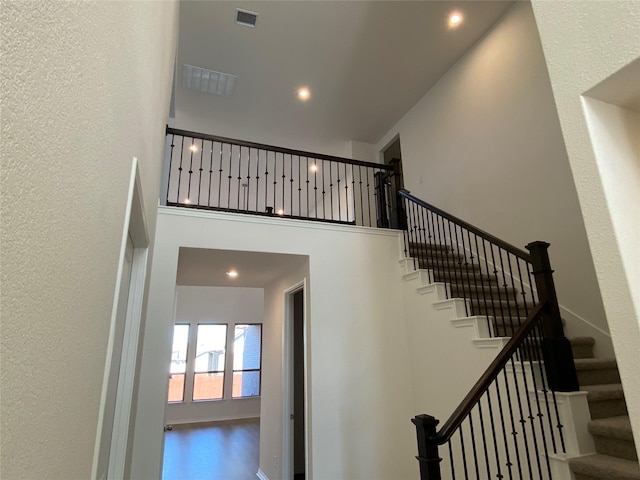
(257, 178)
(512, 418)
(315, 186)
(483, 288)
(430, 249)
(284, 177)
(200, 169)
(522, 420)
(229, 177)
(299, 189)
(210, 174)
(247, 192)
(422, 248)
(291, 184)
(338, 190)
(331, 187)
(473, 444)
(266, 181)
(536, 339)
(275, 180)
(324, 215)
(192, 148)
(492, 422)
(371, 220)
(361, 200)
(464, 454)
(180, 172)
(307, 165)
(484, 439)
(451, 460)
(353, 193)
(170, 165)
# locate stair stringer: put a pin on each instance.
(431, 315)
(439, 331)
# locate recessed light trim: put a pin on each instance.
(304, 93)
(232, 273)
(455, 19)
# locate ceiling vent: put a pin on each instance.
(246, 18)
(208, 81)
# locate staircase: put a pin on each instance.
(615, 457)
(610, 427)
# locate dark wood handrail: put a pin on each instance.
(492, 372)
(273, 148)
(495, 240)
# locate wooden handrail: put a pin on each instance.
(495, 240)
(491, 373)
(273, 148)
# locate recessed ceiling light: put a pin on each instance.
(455, 19)
(280, 212)
(193, 148)
(232, 273)
(186, 200)
(304, 94)
(313, 168)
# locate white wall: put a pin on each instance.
(227, 305)
(85, 87)
(361, 399)
(272, 425)
(584, 44)
(484, 144)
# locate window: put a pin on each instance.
(247, 353)
(178, 367)
(208, 376)
(200, 368)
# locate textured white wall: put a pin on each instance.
(85, 87)
(216, 305)
(360, 384)
(584, 43)
(485, 145)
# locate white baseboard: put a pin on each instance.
(260, 474)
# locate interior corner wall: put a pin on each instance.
(85, 88)
(584, 44)
(228, 305)
(355, 312)
(271, 411)
(485, 145)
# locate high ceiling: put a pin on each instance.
(366, 62)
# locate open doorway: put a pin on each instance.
(394, 182)
(295, 405)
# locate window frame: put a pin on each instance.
(186, 363)
(193, 365)
(233, 370)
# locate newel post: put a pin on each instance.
(398, 216)
(558, 356)
(427, 450)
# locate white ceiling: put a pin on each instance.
(207, 268)
(366, 62)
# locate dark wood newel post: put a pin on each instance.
(427, 450)
(558, 356)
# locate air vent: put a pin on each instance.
(208, 81)
(248, 19)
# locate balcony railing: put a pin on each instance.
(217, 173)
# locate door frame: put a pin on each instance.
(135, 227)
(287, 381)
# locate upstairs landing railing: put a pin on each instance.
(508, 425)
(224, 174)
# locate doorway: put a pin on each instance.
(394, 182)
(296, 401)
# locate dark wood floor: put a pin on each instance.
(215, 451)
